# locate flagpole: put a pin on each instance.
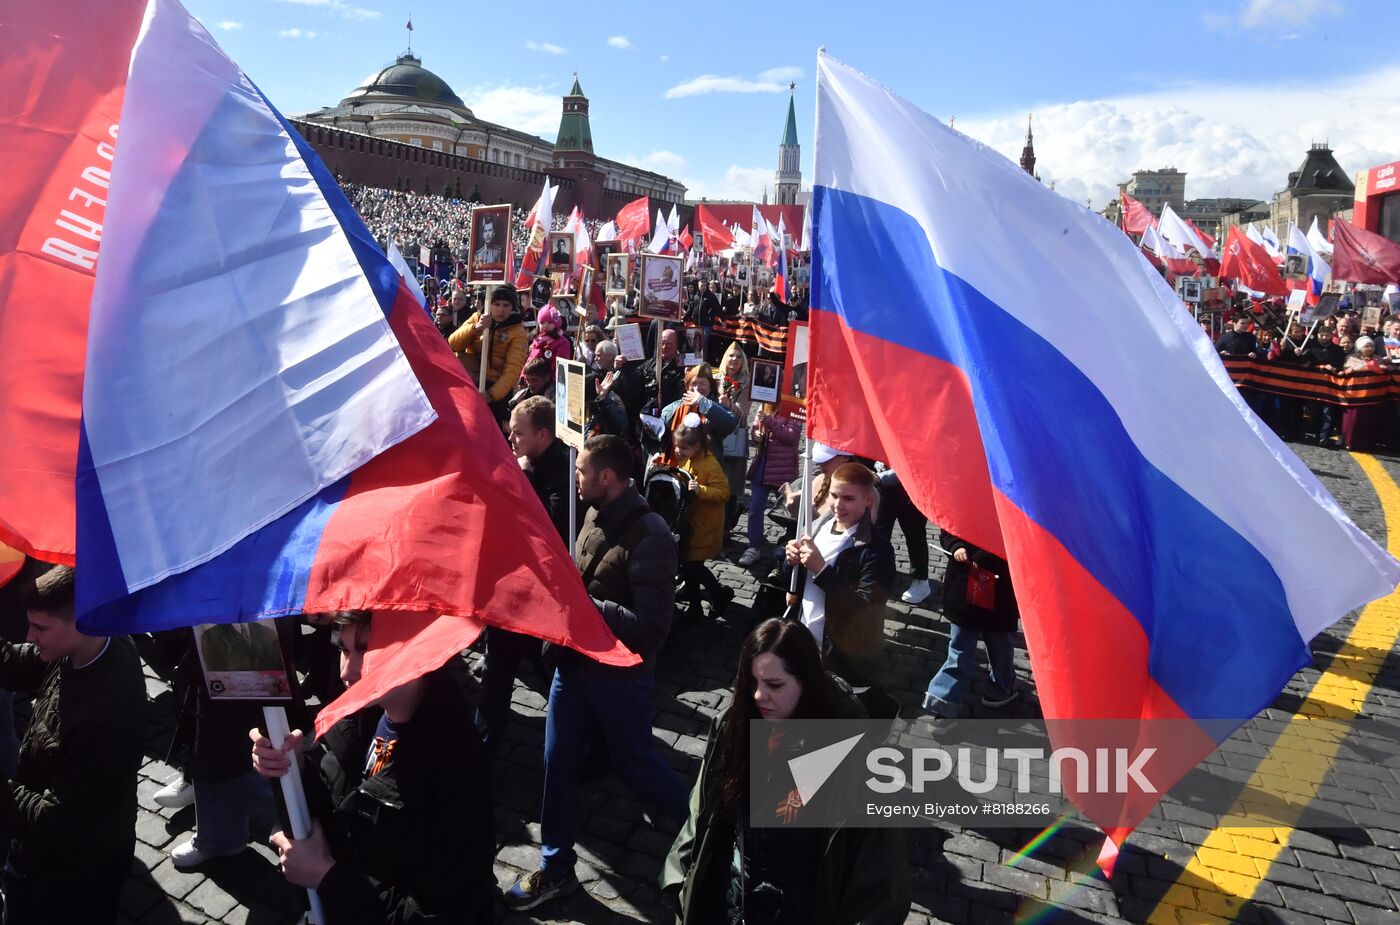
(275, 724)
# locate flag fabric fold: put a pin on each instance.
(538, 222)
(1318, 240)
(402, 533)
(1318, 269)
(1361, 256)
(1137, 218)
(58, 129)
(631, 220)
(196, 430)
(717, 237)
(1163, 540)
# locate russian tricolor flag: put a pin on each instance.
(1043, 394)
(271, 424)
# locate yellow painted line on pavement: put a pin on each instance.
(1235, 857)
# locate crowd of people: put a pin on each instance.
(676, 451)
(1338, 345)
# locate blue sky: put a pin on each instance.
(1231, 91)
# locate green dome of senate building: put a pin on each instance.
(408, 79)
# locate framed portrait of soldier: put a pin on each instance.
(585, 289)
(540, 291)
(1371, 316)
(795, 363)
(660, 287)
(1295, 265)
(243, 661)
(487, 250)
(767, 376)
(602, 250)
(561, 250)
(617, 268)
(741, 276)
(1189, 288)
(694, 346)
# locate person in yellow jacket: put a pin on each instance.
(504, 329)
(703, 535)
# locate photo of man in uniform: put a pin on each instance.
(561, 250)
(240, 647)
(489, 248)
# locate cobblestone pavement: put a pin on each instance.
(1175, 869)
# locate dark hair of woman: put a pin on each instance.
(793, 645)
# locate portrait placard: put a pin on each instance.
(1296, 298)
(570, 413)
(1371, 316)
(795, 363)
(490, 237)
(767, 377)
(660, 287)
(540, 291)
(561, 251)
(629, 342)
(243, 661)
(694, 350)
(585, 288)
(617, 266)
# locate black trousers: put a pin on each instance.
(896, 508)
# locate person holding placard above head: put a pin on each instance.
(400, 800)
(502, 329)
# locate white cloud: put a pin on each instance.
(229, 25)
(529, 109)
(295, 34)
(745, 183)
(1231, 140)
(781, 73)
(620, 41)
(1263, 13)
(548, 48)
(665, 58)
(339, 7)
(710, 83)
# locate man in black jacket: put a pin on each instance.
(672, 373)
(71, 807)
(400, 800)
(545, 459)
(628, 559)
(1237, 342)
(705, 316)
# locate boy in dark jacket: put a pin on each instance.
(71, 807)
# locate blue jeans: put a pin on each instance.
(948, 688)
(224, 811)
(758, 505)
(620, 705)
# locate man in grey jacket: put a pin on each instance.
(628, 559)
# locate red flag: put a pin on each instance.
(687, 239)
(717, 236)
(1249, 263)
(1136, 217)
(1210, 241)
(1361, 256)
(633, 220)
(58, 128)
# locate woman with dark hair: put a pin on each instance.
(722, 869)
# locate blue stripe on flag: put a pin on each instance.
(1223, 641)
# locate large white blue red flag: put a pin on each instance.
(270, 423)
(1165, 545)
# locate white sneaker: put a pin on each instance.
(918, 593)
(177, 794)
(750, 556)
(188, 855)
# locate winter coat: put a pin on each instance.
(856, 585)
(415, 842)
(633, 585)
(672, 381)
(859, 875)
(551, 347)
(1004, 615)
(776, 463)
(71, 807)
(704, 534)
(1235, 344)
(553, 482)
(507, 353)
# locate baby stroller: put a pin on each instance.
(667, 490)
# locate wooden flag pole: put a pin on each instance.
(275, 725)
